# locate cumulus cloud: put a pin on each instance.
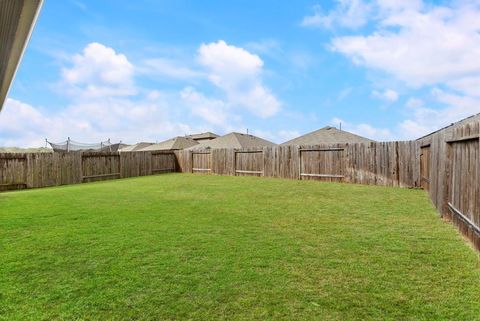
(348, 13)
(105, 101)
(238, 73)
(419, 47)
(98, 71)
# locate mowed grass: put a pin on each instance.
(178, 246)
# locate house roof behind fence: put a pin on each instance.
(172, 144)
(206, 135)
(135, 147)
(328, 135)
(234, 140)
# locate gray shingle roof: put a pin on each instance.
(135, 147)
(172, 144)
(203, 135)
(327, 135)
(234, 140)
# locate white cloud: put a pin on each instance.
(423, 46)
(388, 95)
(213, 111)
(419, 46)
(366, 130)
(130, 121)
(467, 85)
(425, 120)
(23, 125)
(99, 71)
(348, 13)
(104, 100)
(103, 103)
(229, 63)
(238, 73)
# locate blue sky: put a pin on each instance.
(148, 70)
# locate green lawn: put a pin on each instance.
(181, 247)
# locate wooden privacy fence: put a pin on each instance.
(201, 162)
(249, 162)
(387, 164)
(451, 174)
(325, 164)
(34, 170)
(463, 178)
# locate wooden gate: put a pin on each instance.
(201, 162)
(464, 190)
(326, 164)
(13, 171)
(425, 167)
(248, 163)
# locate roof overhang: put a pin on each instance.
(17, 19)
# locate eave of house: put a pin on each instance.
(17, 19)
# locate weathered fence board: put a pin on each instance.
(249, 162)
(163, 162)
(326, 164)
(201, 162)
(13, 174)
(454, 176)
(100, 166)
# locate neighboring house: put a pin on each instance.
(203, 137)
(17, 19)
(234, 140)
(328, 135)
(175, 143)
(135, 147)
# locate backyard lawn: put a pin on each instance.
(180, 246)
